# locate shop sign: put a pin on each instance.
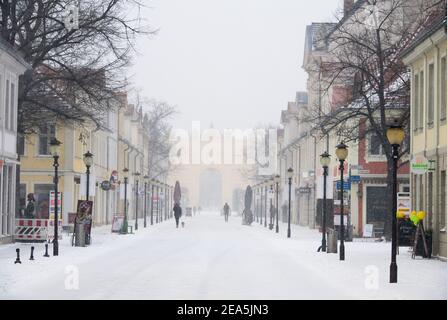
(419, 165)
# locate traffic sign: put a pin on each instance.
(346, 185)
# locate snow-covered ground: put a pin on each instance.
(211, 259)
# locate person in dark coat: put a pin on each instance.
(226, 210)
(29, 211)
(177, 213)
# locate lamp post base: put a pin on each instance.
(342, 251)
(288, 233)
(55, 247)
(393, 272)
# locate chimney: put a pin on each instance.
(347, 6)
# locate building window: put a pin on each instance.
(421, 101)
(20, 213)
(431, 94)
(46, 133)
(8, 198)
(42, 196)
(21, 144)
(12, 110)
(7, 105)
(416, 104)
(443, 211)
(375, 146)
(443, 111)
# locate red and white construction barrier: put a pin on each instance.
(35, 229)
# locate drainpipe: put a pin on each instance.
(437, 202)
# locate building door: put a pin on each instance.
(211, 189)
(376, 206)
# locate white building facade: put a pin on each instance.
(12, 65)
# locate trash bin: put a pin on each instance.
(80, 235)
(331, 241)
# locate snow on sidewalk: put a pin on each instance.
(211, 259)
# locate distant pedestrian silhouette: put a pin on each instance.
(226, 210)
(177, 213)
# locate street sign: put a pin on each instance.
(106, 185)
(355, 179)
(52, 205)
(419, 165)
(304, 190)
(346, 185)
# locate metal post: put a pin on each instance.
(265, 206)
(152, 204)
(260, 202)
(277, 208)
(136, 204)
(290, 199)
(145, 203)
(393, 266)
(323, 241)
(56, 218)
(342, 225)
(124, 229)
(87, 193)
(158, 200)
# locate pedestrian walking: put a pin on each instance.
(226, 210)
(177, 213)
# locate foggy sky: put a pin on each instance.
(230, 63)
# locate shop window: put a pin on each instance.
(20, 212)
(42, 196)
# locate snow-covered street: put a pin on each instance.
(211, 259)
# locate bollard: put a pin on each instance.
(18, 257)
(32, 254)
(46, 250)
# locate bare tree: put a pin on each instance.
(76, 69)
(159, 129)
(365, 70)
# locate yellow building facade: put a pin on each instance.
(427, 58)
(121, 143)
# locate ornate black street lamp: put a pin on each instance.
(256, 202)
(277, 181)
(152, 200)
(157, 184)
(260, 203)
(271, 204)
(325, 161)
(342, 153)
(54, 151)
(126, 177)
(137, 191)
(289, 176)
(146, 180)
(88, 161)
(161, 195)
(395, 135)
(265, 187)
